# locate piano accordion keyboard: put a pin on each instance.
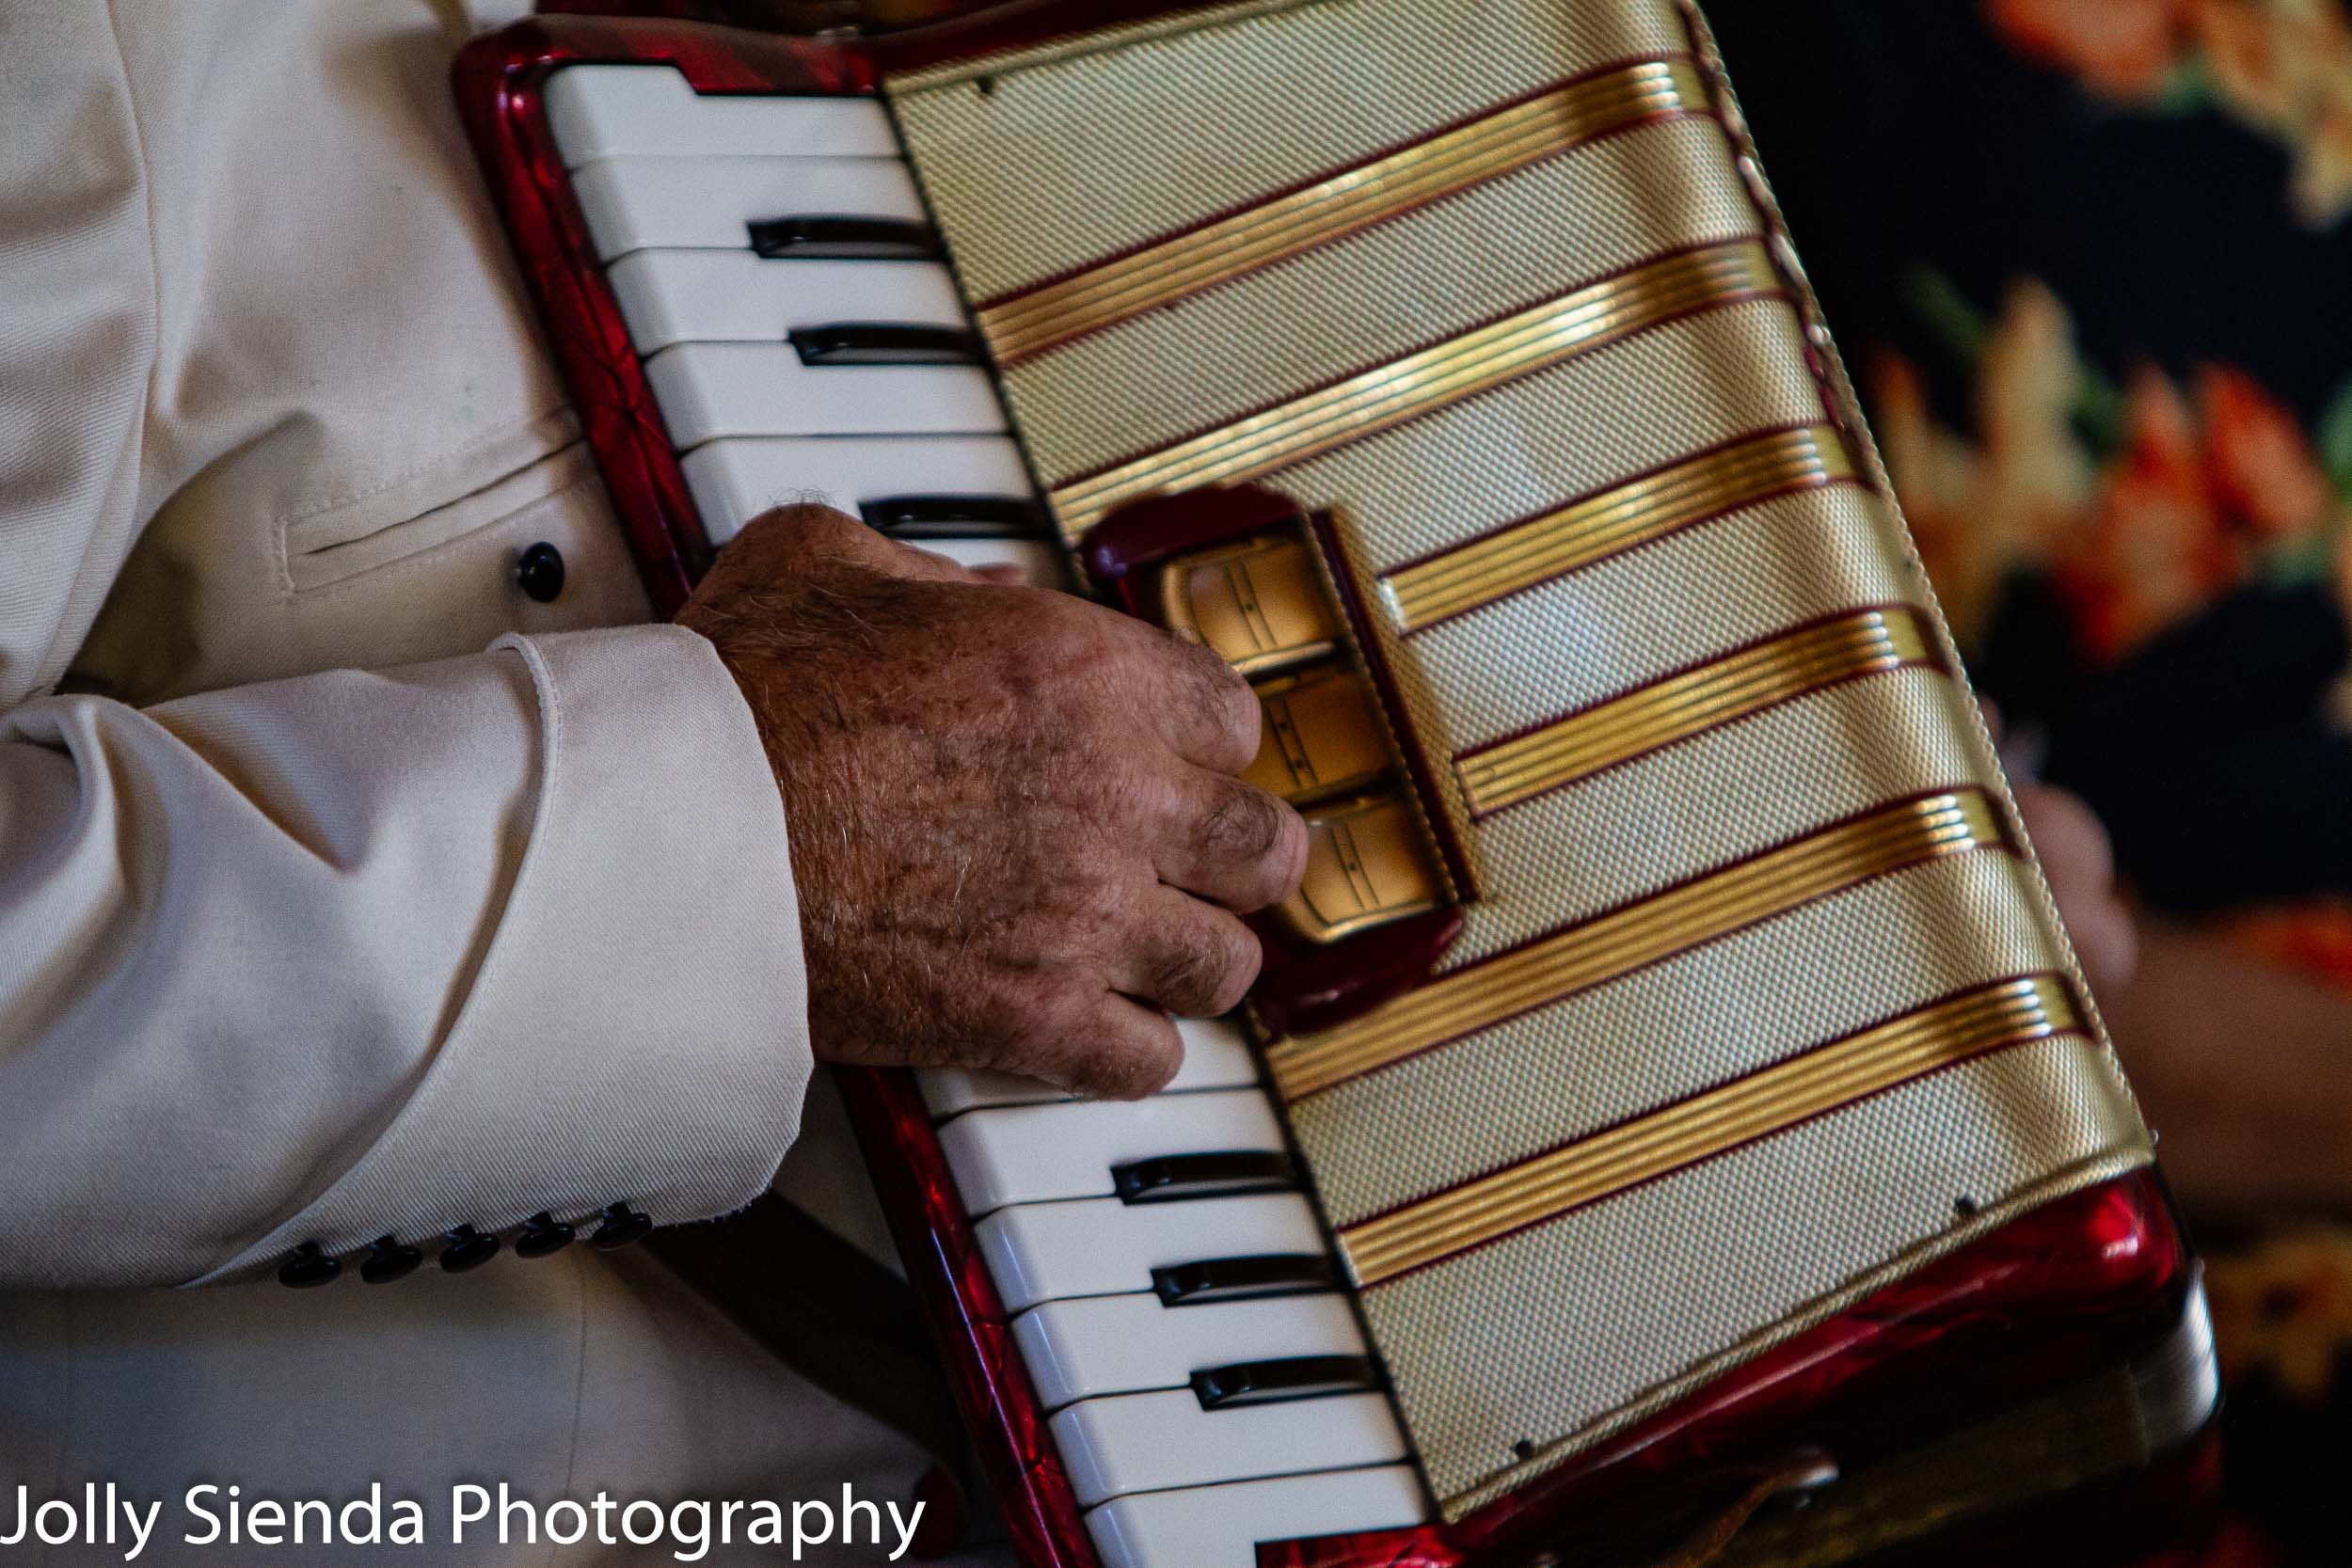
(1204, 1374)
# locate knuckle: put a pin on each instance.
(1183, 975)
(1246, 825)
(1143, 801)
(1151, 1067)
(1142, 1059)
(1216, 700)
(1061, 635)
(804, 528)
(1231, 705)
(1274, 876)
(1208, 970)
(1082, 621)
(1237, 966)
(1043, 1032)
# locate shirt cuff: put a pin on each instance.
(637, 1029)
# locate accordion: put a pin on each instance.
(1671, 1125)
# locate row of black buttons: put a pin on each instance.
(390, 1259)
(539, 572)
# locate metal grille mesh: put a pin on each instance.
(1699, 1019)
(1590, 423)
(1375, 296)
(1709, 1265)
(1582, 638)
(1666, 818)
(1042, 168)
(1042, 164)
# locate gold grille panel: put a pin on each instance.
(1614, 534)
(1482, 995)
(1732, 687)
(2013, 1012)
(1492, 145)
(1418, 383)
(1519, 557)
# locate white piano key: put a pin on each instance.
(1038, 1154)
(599, 111)
(1055, 1251)
(674, 296)
(634, 204)
(1216, 1052)
(734, 481)
(1221, 1527)
(1146, 1442)
(708, 391)
(1081, 1349)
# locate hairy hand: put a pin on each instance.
(1014, 822)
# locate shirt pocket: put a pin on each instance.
(520, 468)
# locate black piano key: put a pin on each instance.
(887, 343)
(955, 516)
(1296, 1377)
(845, 239)
(1271, 1273)
(1232, 1173)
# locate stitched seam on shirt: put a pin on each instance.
(283, 525)
(420, 560)
(488, 438)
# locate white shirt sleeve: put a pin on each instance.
(361, 955)
(347, 955)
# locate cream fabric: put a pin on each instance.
(344, 890)
(351, 954)
(336, 953)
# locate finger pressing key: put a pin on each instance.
(1190, 957)
(1111, 1047)
(1231, 843)
(1207, 712)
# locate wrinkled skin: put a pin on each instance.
(1013, 818)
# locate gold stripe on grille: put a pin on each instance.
(1480, 995)
(1721, 692)
(1432, 378)
(2011, 1012)
(1540, 549)
(1027, 324)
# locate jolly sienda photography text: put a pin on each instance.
(101, 1514)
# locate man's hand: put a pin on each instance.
(1014, 822)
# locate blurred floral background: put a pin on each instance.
(2092, 263)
